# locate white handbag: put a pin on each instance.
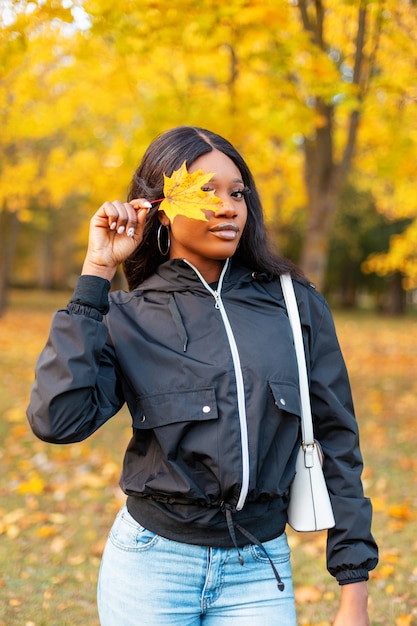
(309, 507)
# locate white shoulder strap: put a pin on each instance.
(294, 317)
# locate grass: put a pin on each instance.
(58, 502)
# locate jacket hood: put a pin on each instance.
(177, 275)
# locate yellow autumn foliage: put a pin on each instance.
(80, 99)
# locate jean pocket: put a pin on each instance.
(127, 534)
(277, 549)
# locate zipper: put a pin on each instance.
(216, 293)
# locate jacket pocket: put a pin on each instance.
(286, 397)
(174, 407)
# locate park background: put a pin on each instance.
(320, 97)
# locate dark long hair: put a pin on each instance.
(166, 154)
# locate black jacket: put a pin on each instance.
(211, 383)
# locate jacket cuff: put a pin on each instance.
(92, 292)
(350, 576)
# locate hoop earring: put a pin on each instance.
(168, 240)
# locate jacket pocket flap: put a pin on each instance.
(286, 396)
(178, 406)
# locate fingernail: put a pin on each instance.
(113, 225)
(130, 232)
(147, 205)
(121, 230)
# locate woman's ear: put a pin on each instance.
(164, 219)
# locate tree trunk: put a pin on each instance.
(315, 250)
(324, 175)
(3, 287)
(9, 226)
(46, 264)
(323, 182)
(394, 300)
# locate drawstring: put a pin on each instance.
(256, 541)
(231, 525)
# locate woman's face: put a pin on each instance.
(206, 244)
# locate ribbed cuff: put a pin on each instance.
(348, 577)
(92, 291)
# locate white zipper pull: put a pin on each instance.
(217, 299)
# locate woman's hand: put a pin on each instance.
(353, 609)
(116, 230)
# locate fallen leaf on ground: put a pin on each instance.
(404, 620)
(307, 593)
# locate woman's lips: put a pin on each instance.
(225, 230)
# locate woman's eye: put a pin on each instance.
(238, 193)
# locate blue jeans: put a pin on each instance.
(150, 581)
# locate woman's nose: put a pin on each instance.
(225, 209)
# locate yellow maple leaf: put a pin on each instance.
(184, 194)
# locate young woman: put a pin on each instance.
(201, 350)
